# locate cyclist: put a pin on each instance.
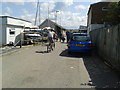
(50, 36)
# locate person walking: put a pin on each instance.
(55, 37)
(62, 38)
(68, 36)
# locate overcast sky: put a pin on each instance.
(72, 13)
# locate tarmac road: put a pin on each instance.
(33, 67)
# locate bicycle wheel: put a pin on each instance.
(54, 45)
(51, 47)
(48, 48)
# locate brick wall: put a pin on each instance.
(98, 14)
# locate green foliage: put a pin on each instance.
(113, 15)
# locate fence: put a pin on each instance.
(107, 44)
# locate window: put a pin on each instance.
(12, 31)
(104, 9)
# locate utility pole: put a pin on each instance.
(48, 10)
(38, 14)
(56, 16)
(48, 14)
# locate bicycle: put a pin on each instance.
(50, 46)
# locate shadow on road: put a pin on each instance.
(100, 74)
(41, 52)
(64, 53)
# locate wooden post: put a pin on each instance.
(20, 43)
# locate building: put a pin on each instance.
(11, 29)
(96, 14)
(48, 23)
(83, 29)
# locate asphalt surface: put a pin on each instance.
(6, 49)
(33, 67)
(9, 49)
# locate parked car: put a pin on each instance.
(79, 42)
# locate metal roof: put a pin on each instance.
(47, 20)
(13, 18)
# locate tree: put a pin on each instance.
(113, 15)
